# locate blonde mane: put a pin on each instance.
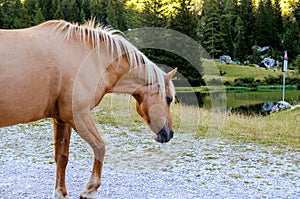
(93, 33)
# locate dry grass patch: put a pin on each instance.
(276, 128)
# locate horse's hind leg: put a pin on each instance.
(87, 129)
(62, 133)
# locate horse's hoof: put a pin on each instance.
(57, 195)
(92, 195)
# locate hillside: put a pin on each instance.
(231, 73)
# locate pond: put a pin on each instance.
(252, 102)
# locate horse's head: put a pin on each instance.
(154, 109)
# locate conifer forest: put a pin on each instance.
(223, 27)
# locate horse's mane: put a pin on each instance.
(93, 33)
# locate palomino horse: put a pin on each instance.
(62, 71)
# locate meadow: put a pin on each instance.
(277, 128)
(230, 72)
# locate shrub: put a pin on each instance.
(296, 64)
(271, 80)
(245, 81)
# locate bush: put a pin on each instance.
(296, 64)
(245, 81)
(271, 80)
(215, 82)
(228, 83)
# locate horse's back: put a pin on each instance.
(29, 77)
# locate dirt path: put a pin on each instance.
(137, 167)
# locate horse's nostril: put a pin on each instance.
(164, 136)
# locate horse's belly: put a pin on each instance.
(21, 108)
(26, 95)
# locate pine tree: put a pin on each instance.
(58, 12)
(31, 7)
(246, 13)
(154, 14)
(116, 14)
(85, 7)
(80, 5)
(268, 26)
(277, 24)
(240, 48)
(291, 33)
(98, 11)
(291, 39)
(70, 10)
(296, 12)
(213, 38)
(1, 17)
(21, 17)
(47, 8)
(39, 17)
(264, 29)
(8, 14)
(82, 16)
(132, 16)
(228, 18)
(185, 20)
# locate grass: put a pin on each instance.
(232, 71)
(214, 72)
(118, 110)
(278, 128)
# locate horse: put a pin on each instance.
(62, 70)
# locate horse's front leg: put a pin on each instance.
(62, 133)
(90, 191)
(87, 129)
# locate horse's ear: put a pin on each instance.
(170, 74)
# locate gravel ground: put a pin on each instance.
(138, 167)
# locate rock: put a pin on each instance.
(268, 62)
(282, 105)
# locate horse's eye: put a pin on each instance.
(169, 100)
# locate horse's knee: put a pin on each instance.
(99, 151)
(62, 159)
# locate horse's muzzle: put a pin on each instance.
(164, 136)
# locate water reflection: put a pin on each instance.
(256, 109)
(249, 103)
(191, 98)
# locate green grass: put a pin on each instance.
(229, 72)
(118, 110)
(277, 128)
(233, 71)
(281, 128)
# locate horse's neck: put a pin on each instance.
(129, 82)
